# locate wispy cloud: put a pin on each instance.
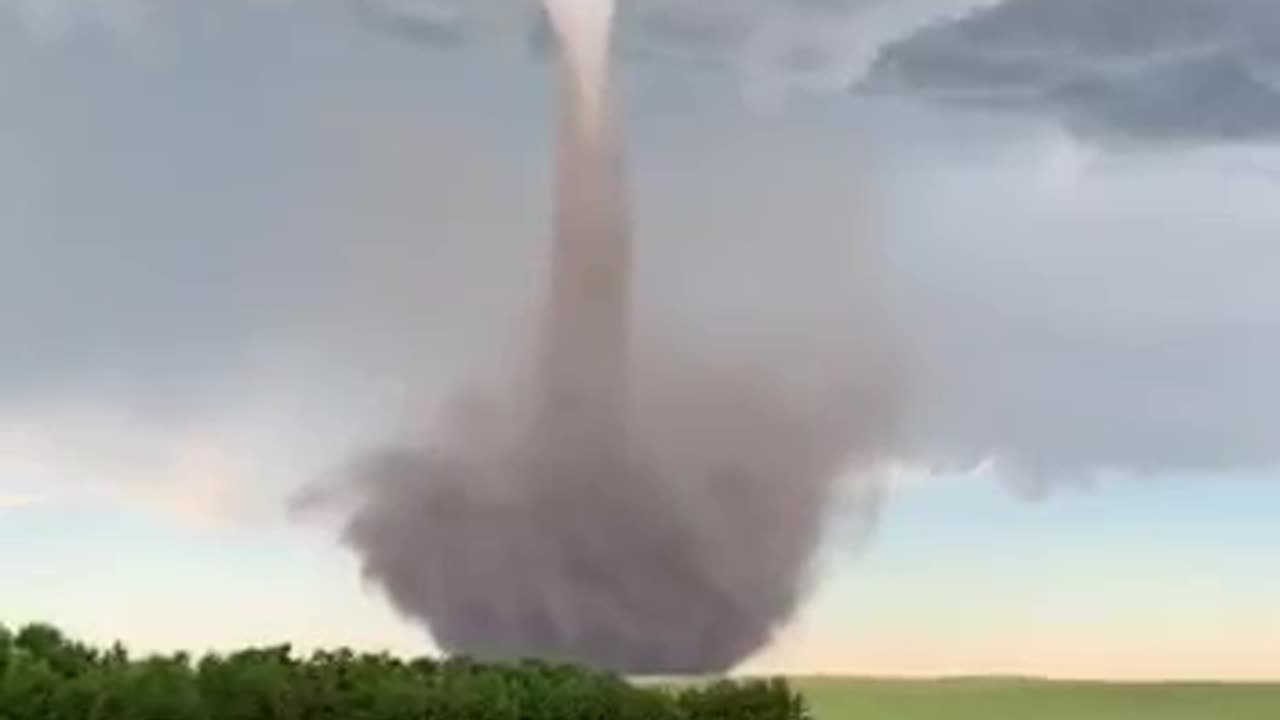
(205, 469)
(11, 501)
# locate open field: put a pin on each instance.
(1017, 699)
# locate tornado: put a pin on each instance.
(636, 505)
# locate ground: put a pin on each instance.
(1015, 699)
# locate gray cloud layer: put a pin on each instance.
(1104, 315)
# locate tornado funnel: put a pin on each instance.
(638, 507)
(585, 341)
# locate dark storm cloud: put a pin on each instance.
(418, 25)
(1177, 70)
(244, 187)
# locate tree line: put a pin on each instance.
(45, 675)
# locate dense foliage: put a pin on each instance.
(46, 676)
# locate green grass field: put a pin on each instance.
(1015, 699)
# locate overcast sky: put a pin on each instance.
(240, 240)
